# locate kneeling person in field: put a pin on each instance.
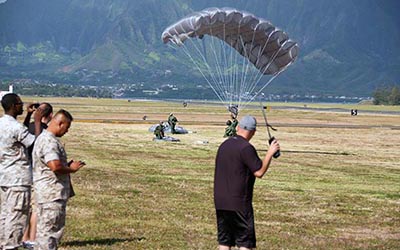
(159, 131)
(51, 181)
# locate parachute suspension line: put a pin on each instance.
(249, 72)
(226, 65)
(185, 50)
(242, 82)
(256, 77)
(265, 85)
(215, 77)
(249, 82)
(275, 75)
(218, 65)
(251, 75)
(197, 64)
(230, 71)
(250, 66)
(234, 74)
(223, 67)
(261, 74)
(219, 70)
(246, 65)
(233, 71)
(268, 65)
(196, 45)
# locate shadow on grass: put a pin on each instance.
(104, 242)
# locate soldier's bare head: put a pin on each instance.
(60, 123)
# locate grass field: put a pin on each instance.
(335, 186)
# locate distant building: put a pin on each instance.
(10, 90)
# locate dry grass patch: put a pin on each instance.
(332, 188)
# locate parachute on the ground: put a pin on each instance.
(267, 51)
(167, 129)
(167, 138)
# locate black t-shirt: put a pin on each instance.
(31, 129)
(235, 164)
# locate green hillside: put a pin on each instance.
(347, 47)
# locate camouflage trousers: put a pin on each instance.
(14, 211)
(51, 223)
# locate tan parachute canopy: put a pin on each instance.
(266, 47)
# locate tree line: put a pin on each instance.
(64, 90)
(386, 95)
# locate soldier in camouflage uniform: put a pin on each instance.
(231, 129)
(15, 172)
(159, 131)
(51, 181)
(172, 122)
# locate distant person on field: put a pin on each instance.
(15, 171)
(172, 122)
(159, 131)
(228, 131)
(231, 129)
(47, 113)
(236, 166)
(51, 181)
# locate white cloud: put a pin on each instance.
(3, 1)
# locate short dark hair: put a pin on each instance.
(9, 100)
(47, 110)
(65, 113)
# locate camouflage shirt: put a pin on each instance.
(14, 164)
(48, 185)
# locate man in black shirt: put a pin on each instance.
(236, 167)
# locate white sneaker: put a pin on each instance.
(28, 245)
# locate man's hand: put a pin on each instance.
(274, 147)
(76, 165)
(72, 166)
(38, 114)
(32, 107)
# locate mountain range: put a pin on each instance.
(347, 47)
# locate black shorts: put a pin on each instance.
(236, 229)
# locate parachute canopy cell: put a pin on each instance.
(269, 49)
